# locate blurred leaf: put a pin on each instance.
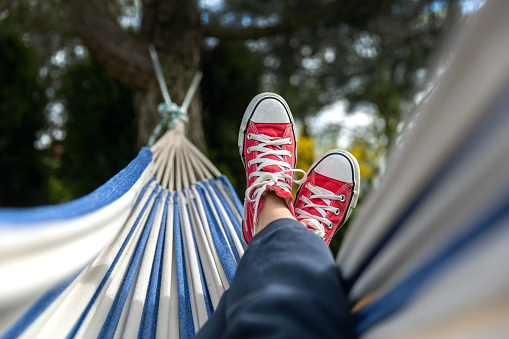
(21, 115)
(100, 129)
(230, 80)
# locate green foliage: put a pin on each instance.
(369, 53)
(305, 151)
(230, 80)
(22, 172)
(100, 129)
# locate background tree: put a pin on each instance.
(22, 169)
(315, 51)
(99, 128)
(231, 75)
(370, 55)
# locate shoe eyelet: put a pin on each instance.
(248, 150)
(289, 141)
(324, 237)
(249, 136)
(329, 226)
(336, 212)
(342, 198)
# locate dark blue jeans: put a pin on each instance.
(286, 286)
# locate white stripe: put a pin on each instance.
(475, 283)
(94, 321)
(467, 194)
(36, 257)
(167, 317)
(229, 226)
(477, 72)
(198, 307)
(222, 275)
(62, 314)
(133, 321)
(206, 250)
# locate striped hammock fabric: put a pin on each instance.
(148, 253)
(427, 256)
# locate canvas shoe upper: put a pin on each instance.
(326, 200)
(268, 150)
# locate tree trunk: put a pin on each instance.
(146, 101)
(173, 27)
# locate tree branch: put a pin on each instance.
(7, 6)
(124, 56)
(287, 26)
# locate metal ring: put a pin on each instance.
(336, 212)
(342, 197)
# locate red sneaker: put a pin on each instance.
(329, 195)
(268, 150)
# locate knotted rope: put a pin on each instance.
(170, 112)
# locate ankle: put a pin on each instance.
(274, 208)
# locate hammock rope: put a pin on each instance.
(170, 112)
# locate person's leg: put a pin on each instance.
(286, 284)
(275, 208)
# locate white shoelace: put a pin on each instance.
(255, 192)
(315, 222)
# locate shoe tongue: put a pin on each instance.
(272, 130)
(327, 183)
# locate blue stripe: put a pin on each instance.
(150, 309)
(236, 199)
(36, 310)
(111, 322)
(405, 291)
(140, 195)
(206, 296)
(494, 118)
(186, 323)
(83, 315)
(223, 222)
(231, 216)
(223, 250)
(113, 189)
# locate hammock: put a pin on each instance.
(425, 256)
(148, 253)
(156, 249)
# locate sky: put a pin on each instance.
(336, 114)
